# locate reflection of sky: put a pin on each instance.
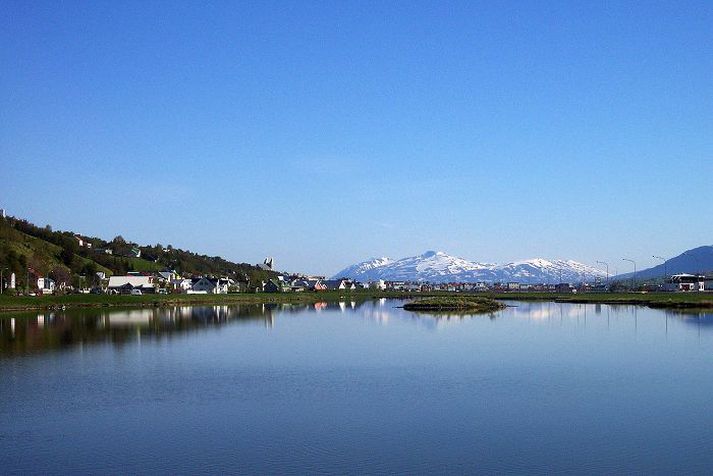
(66, 328)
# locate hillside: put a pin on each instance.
(694, 261)
(58, 254)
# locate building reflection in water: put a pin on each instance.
(36, 332)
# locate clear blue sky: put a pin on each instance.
(326, 133)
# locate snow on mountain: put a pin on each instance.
(438, 267)
(364, 267)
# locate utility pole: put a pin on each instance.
(665, 267)
(633, 275)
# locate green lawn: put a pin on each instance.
(671, 300)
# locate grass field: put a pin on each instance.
(663, 300)
(668, 300)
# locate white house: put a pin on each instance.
(182, 285)
(45, 285)
(168, 275)
(379, 285)
(210, 286)
(685, 282)
(339, 285)
(124, 284)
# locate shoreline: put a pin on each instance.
(653, 300)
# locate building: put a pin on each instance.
(45, 285)
(275, 286)
(168, 275)
(339, 285)
(565, 288)
(209, 286)
(125, 284)
(182, 285)
(82, 242)
(379, 285)
(685, 283)
(268, 264)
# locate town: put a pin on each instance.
(137, 283)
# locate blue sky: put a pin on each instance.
(326, 133)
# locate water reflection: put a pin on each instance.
(29, 333)
(36, 332)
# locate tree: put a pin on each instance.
(67, 256)
(61, 275)
(89, 270)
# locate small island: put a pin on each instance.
(455, 303)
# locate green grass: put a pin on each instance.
(667, 300)
(15, 303)
(671, 300)
(455, 303)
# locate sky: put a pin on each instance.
(326, 133)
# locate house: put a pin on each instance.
(379, 285)
(339, 285)
(565, 288)
(124, 284)
(275, 286)
(686, 283)
(182, 285)
(209, 286)
(299, 285)
(513, 286)
(316, 284)
(45, 285)
(168, 276)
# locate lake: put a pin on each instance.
(356, 388)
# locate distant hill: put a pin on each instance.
(696, 260)
(439, 267)
(60, 255)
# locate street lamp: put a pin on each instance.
(607, 265)
(665, 266)
(633, 275)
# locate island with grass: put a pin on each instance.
(469, 304)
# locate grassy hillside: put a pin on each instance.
(45, 252)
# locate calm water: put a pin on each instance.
(353, 388)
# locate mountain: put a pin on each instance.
(365, 266)
(693, 261)
(439, 267)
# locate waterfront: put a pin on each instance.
(354, 387)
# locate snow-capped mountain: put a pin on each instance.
(365, 266)
(438, 267)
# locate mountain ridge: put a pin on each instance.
(438, 267)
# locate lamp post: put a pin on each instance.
(665, 267)
(633, 275)
(607, 265)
